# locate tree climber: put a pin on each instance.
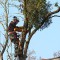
(11, 32)
(13, 35)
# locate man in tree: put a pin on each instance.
(13, 35)
(11, 32)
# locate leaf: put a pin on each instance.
(56, 4)
(36, 10)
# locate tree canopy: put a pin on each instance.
(36, 11)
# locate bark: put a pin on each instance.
(1, 56)
(20, 58)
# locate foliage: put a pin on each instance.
(56, 4)
(36, 11)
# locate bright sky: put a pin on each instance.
(47, 41)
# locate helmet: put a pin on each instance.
(15, 19)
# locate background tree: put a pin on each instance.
(4, 6)
(4, 21)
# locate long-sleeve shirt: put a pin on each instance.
(11, 27)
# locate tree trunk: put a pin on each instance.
(20, 58)
(1, 57)
(19, 53)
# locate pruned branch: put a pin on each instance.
(30, 53)
(9, 57)
(4, 46)
(6, 32)
(3, 34)
(33, 32)
(6, 1)
(5, 11)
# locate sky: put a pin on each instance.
(46, 42)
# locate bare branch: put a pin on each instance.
(5, 11)
(2, 4)
(14, 5)
(51, 13)
(3, 25)
(1, 45)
